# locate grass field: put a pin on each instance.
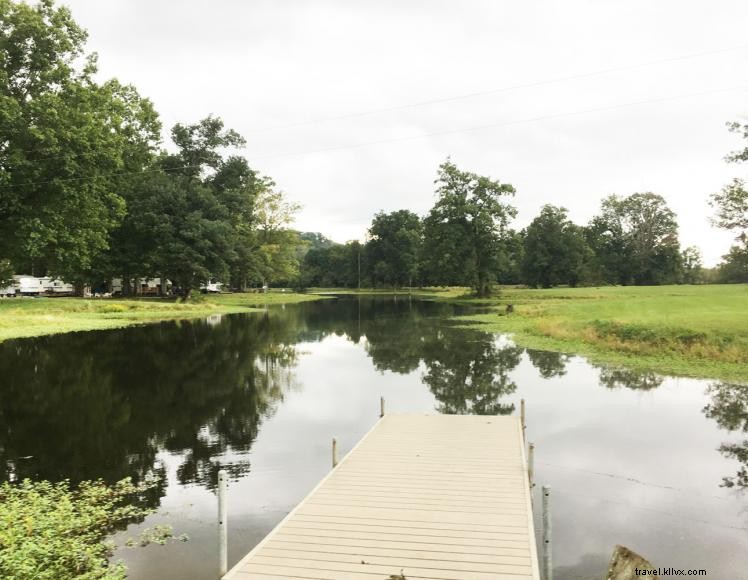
(699, 331)
(25, 317)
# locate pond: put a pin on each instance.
(654, 463)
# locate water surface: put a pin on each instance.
(657, 464)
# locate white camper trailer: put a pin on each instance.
(40, 286)
(211, 288)
(148, 286)
(57, 287)
(30, 285)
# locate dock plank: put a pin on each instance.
(437, 497)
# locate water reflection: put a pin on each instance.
(616, 377)
(549, 364)
(102, 405)
(184, 400)
(729, 407)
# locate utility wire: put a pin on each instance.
(508, 123)
(415, 137)
(501, 89)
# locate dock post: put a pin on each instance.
(531, 465)
(547, 535)
(522, 416)
(222, 524)
(334, 452)
(381, 407)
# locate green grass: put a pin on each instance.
(26, 317)
(699, 331)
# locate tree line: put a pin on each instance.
(88, 193)
(465, 240)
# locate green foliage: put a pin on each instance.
(394, 248)
(51, 531)
(692, 266)
(555, 250)
(66, 139)
(463, 231)
(734, 268)
(731, 205)
(635, 240)
(6, 273)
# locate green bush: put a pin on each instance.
(49, 531)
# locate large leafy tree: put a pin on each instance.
(555, 250)
(635, 239)
(65, 142)
(184, 213)
(464, 229)
(394, 248)
(731, 213)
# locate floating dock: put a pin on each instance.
(442, 497)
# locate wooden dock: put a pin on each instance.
(421, 496)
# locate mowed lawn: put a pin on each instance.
(26, 317)
(687, 330)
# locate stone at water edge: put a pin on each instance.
(624, 563)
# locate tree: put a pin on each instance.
(692, 265)
(463, 231)
(731, 206)
(275, 244)
(65, 142)
(734, 268)
(555, 250)
(635, 239)
(394, 247)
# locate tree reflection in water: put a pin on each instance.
(615, 377)
(729, 407)
(549, 364)
(104, 404)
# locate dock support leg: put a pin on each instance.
(547, 535)
(531, 465)
(334, 452)
(381, 407)
(222, 524)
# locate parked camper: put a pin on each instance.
(30, 285)
(148, 286)
(40, 286)
(57, 287)
(211, 288)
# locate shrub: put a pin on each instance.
(49, 531)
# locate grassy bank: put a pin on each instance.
(699, 331)
(26, 317)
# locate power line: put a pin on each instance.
(507, 123)
(447, 99)
(500, 89)
(412, 137)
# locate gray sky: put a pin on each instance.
(265, 65)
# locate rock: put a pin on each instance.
(624, 563)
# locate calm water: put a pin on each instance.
(633, 458)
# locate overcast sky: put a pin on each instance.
(653, 84)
